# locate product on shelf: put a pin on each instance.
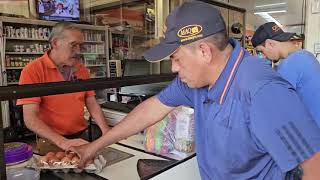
(25, 42)
(92, 36)
(13, 76)
(27, 32)
(31, 48)
(93, 48)
(17, 61)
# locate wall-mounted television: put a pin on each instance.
(59, 10)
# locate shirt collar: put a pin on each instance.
(220, 89)
(48, 61)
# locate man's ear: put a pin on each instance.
(206, 52)
(270, 43)
(53, 43)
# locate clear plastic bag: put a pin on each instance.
(184, 130)
(174, 135)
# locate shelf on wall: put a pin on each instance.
(92, 53)
(37, 53)
(97, 42)
(26, 39)
(97, 76)
(14, 67)
(30, 21)
(95, 65)
(13, 83)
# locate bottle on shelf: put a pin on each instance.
(27, 32)
(31, 48)
(92, 36)
(17, 61)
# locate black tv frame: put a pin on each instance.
(58, 19)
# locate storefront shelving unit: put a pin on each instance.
(126, 46)
(25, 39)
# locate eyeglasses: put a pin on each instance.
(74, 45)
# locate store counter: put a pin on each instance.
(127, 169)
(122, 164)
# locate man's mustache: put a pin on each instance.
(77, 56)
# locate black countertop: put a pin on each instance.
(126, 108)
(50, 175)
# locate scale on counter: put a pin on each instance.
(113, 156)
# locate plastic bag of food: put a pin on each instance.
(184, 130)
(173, 135)
(159, 138)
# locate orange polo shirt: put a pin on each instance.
(64, 113)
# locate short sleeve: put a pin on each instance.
(293, 68)
(289, 72)
(176, 94)
(28, 76)
(283, 126)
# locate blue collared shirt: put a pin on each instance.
(302, 70)
(250, 125)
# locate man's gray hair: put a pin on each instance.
(60, 27)
(220, 40)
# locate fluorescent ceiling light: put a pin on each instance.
(275, 4)
(269, 18)
(270, 12)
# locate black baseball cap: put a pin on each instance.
(272, 31)
(188, 23)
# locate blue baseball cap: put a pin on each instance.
(187, 23)
(272, 31)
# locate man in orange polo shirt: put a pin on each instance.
(58, 118)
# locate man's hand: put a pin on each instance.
(66, 144)
(85, 153)
(99, 163)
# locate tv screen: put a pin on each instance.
(60, 10)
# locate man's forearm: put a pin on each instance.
(144, 115)
(97, 114)
(100, 120)
(41, 129)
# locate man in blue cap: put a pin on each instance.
(298, 66)
(240, 131)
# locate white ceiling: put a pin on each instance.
(291, 20)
